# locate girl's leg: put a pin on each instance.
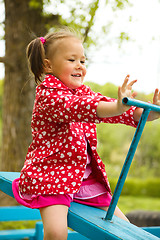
(117, 213)
(55, 222)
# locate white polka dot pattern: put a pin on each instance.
(56, 159)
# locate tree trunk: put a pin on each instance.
(19, 87)
(22, 23)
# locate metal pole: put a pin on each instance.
(147, 108)
(127, 164)
(141, 104)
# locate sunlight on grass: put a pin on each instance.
(130, 203)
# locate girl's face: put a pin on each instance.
(67, 63)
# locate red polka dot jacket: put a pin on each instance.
(61, 119)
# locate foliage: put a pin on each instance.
(81, 15)
(108, 89)
(113, 145)
(76, 14)
(139, 187)
(149, 148)
(123, 36)
(114, 141)
(17, 225)
(121, 4)
(131, 203)
(35, 4)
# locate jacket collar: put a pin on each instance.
(51, 81)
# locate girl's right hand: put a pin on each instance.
(111, 109)
(125, 91)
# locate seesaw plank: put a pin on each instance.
(88, 220)
(6, 179)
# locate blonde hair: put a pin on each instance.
(37, 51)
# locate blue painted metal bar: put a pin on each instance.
(90, 222)
(153, 230)
(147, 108)
(138, 103)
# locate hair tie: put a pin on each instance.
(43, 40)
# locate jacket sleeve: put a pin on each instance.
(125, 118)
(63, 106)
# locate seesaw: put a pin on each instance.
(94, 223)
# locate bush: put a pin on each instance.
(138, 187)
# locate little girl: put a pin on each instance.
(62, 164)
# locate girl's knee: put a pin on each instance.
(56, 234)
(117, 213)
(55, 222)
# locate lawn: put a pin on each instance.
(130, 203)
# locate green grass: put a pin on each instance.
(130, 203)
(17, 225)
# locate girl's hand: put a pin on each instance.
(153, 115)
(156, 101)
(111, 109)
(125, 91)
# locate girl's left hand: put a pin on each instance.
(156, 101)
(153, 115)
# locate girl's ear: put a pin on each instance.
(47, 66)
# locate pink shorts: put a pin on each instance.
(102, 200)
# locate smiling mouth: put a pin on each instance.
(76, 75)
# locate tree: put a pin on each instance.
(23, 20)
(20, 20)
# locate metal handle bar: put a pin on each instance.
(147, 108)
(141, 104)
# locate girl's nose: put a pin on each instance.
(79, 65)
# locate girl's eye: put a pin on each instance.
(71, 60)
(83, 62)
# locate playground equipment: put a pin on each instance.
(94, 223)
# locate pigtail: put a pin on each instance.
(36, 54)
(44, 47)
